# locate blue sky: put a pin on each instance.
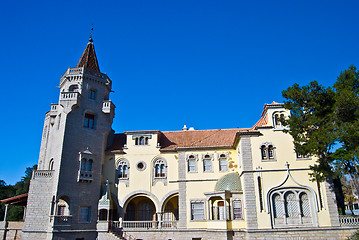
(206, 64)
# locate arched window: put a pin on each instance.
(291, 207)
(83, 164)
(270, 152)
(207, 163)
(160, 166)
(291, 204)
(89, 165)
(304, 205)
(142, 141)
(63, 208)
(122, 169)
(264, 152)
(267, 151)
(277, 116)
(51, 164)
(191, 163)
(278, 208)
(74, 88)
(223, 162)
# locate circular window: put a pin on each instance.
(141, 166)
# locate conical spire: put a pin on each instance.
(88, 58)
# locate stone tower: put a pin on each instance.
(65, 190)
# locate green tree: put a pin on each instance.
(324, 122)
(15, 213)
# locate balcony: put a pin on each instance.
(85, 176)
(42, 174)
(60, 221)
(69, 96)
(108, 106)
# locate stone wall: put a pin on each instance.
(269, 234)
(13, 230)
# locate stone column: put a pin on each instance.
(248, 183)
(182, 211)
(5, 215)
(332, 205)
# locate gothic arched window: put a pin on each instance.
(267, 152)
(160, 166)
(122, 169)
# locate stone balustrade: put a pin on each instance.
(69, 96)
(42, 174)
(348, 220)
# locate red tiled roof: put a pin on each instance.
(19, 200)
(118, 141)
(198, 138)
(263, 121)
(172, 140)
(89, 59)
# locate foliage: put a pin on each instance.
(324, 122)
(15, 213)
(354, 236)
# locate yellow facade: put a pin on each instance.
(186, 184)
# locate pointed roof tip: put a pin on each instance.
(89, 58)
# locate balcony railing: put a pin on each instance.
(149, 224)
(42, 174)
(69, 96)
(60, 220)
(85, 175)
(348, 220)
(108, 106)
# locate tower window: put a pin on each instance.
(142, 140)
(89, 121)
(85, 214)
(122, 169)
(92, 94)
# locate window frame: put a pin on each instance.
(88, 214)
(223, 157)
(193, 158)
(268, 152)
(202, 209)
(207, 158)
(89, 120)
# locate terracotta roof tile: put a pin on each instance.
(89, 59)
(118, 141)
(198, 138)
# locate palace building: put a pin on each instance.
(240, 183)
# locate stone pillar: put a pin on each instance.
(5, 215)
(159, 219)
(250, 207)
(182, 211)
(332, 205)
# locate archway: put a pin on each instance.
(140, 208)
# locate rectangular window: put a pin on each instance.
(197, 211)
(207, 165)
(85, 214)
(92, 94)
(191, 165)
(89, 121)
(223, 165)
(237, 209)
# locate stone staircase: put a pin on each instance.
(118, 231)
